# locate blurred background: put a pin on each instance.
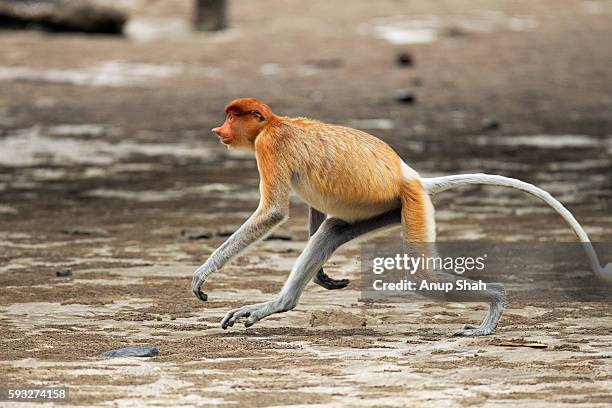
(107, 162)
(121, 119)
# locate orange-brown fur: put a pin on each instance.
(414, 210)
(340, 171)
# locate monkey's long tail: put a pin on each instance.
(435, 185)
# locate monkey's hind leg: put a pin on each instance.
(495, 295)
(332, 234)
(419, 227)
(315, 219)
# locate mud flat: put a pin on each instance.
(107, 169)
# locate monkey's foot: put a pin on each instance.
(471, 330)
(253, 313)
(322, 279)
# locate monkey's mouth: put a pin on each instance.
(225, 140)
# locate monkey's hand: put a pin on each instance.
(196, 284)
(322, 279)
(253, 313)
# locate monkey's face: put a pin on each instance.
(240, 129)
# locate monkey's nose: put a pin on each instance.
(216, 130)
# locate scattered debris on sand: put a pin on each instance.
(516, 342)
(277, 236)
(195, 233)
(225, 231)
(84, 231)
(336, 317)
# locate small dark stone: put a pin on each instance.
(406, 97)
(84, 231)
(490, 124)
(283, 250)
(325, 63)
(225, 231)
(404, 59)
(416, 81)
(138, 351)
(454, 32)
(63, 273)
(279, 237)
(194, 234)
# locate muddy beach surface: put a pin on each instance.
(108, 170)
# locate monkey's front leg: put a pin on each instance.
(330, 235)
(315, 219)
(256, 227)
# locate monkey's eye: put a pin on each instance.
(257, 115)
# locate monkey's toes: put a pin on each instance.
(470, 330)
(202, 296)
(329, 283)
(336, 284)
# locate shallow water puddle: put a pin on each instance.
(541, 141)
(85, 129)
(5, 209)
(109, 73)
(372, 124)
(411, 31)
(31, 146)
(402, 30)
(218, 190)
(155, 29)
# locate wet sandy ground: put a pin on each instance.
(107, 168)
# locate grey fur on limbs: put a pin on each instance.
(315, 219)
(330, 236)
(261, 223)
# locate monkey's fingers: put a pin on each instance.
(322, 279)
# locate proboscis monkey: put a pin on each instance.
(355, 184)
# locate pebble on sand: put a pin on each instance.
(490, 124)
(406, 97)
(195, 234)
(63, 273)
(138, 351)
(404, 59)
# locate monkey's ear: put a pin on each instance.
(257, 115)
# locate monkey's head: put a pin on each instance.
(245, 119)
